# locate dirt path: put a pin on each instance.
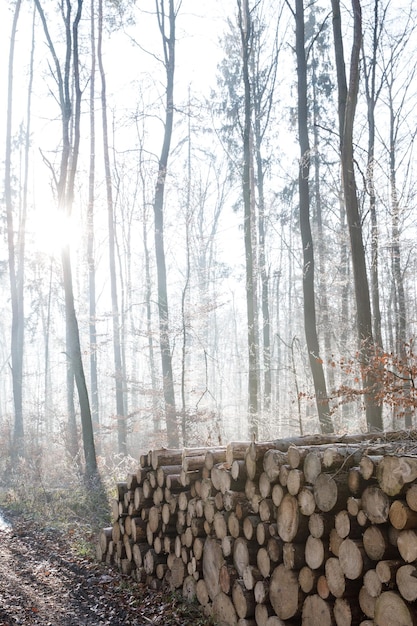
(43, 582)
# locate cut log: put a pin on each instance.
(236, 451)
(223, 610)
(243, 600)
(244, 554)
(202, 593)
(306, 501)
(312, 467)
(307, 579)
(274, 548)
(292, 526)
(394, 472)
(401, 516)
(317, 612)
(353, 559)
(407, 582)
(293, 555)
(327, 493)
(212, 562)
(392, 610)
(177, 573)
(335, 577)
(251, 575)
(411, 497)
(227, 577)
(261, 591)
(344, 612)
(375, 504)
(295, 481)
(372, 583)
(407, 545)
(272, 463)
(262, 613)
(376, 543)
(320, 525)
(387, 570)
(285, 594)
(368, 465)
(263, 562)
(315, 552)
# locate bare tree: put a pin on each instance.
(309, 308)
(117, 348)
(15, 261)
(166, 21)
(347, 107)
(71, 113)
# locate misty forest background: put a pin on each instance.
(172, 271)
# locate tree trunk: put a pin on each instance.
(117, 348)
(168, 40)
(15, 264)
(363, 307)
(245, 28)
(316, 362)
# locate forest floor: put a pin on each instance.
(45, 581)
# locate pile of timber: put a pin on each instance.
(311, 531)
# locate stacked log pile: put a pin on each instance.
(310, 531)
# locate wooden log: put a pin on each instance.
(244, 554)
(323, 588)
(262, 614)
(341, 456)
(165, 456)
(394, 472)
(232, 498)
(411, 497)
(236, 451)
(295, 481)
(265, 486)
(105, 537)
(355, 481)
(315, 552)
(224, 610)
(261, 591)
(292, 526)
(215, 455)
(306, 501)
(353, 559)
(372, 583)
(296, 456)
(329, 494)
(376, 543)
(345, 613)
(401, 516)
(285, 594)
(249, 526)
(293, 555)
(347, 525)
(335, 577)
(202, 593)
(406, 580)
(367, 603)
(320, 525)
(238, 470)
(312, 467)
(227, 546)
(272, 463)
(188, 589)
(220, 524)
(267, 510)
(263, 562)
(353, 506)
(277, 494)
(392, 610)
(375, 504)
(386, 570)
(234, 525)
(307, 579)
(212, 562)
(243, 600)
(227, 577)
(317, 612)
(274, 548)
(407, 545)
(368, 465)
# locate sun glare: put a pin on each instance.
(53, 230)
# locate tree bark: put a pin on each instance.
(310, 324)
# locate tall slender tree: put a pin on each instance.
(348, 94)
(15, 250)
(117, 346)
(309, 306)
(70, 111)
(166, 15)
